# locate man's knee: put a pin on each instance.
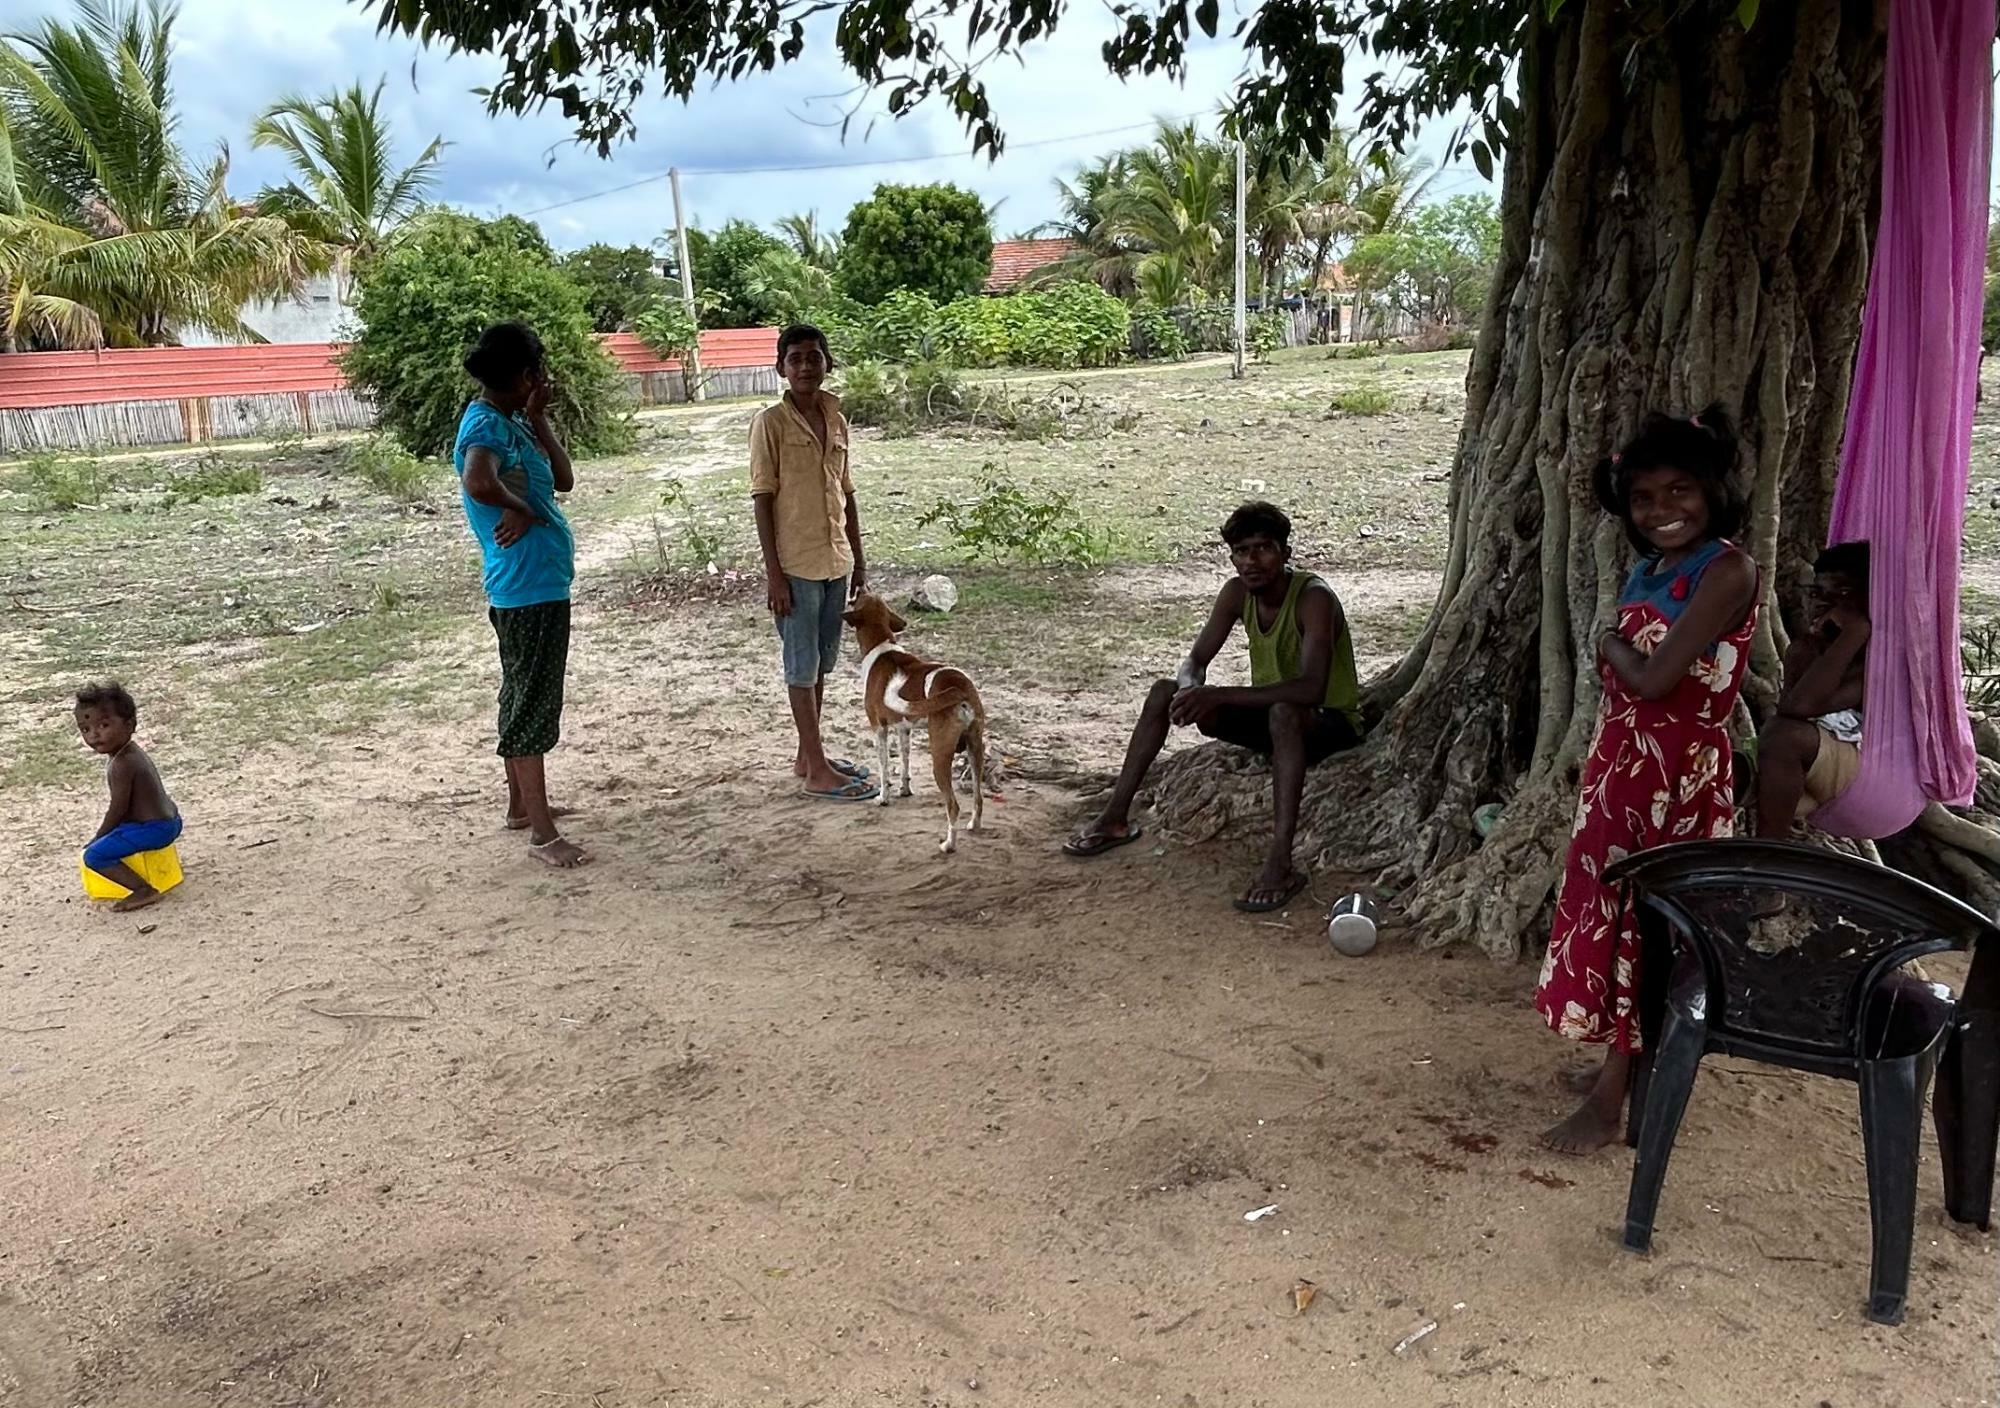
(1160, 696)
(1290, 720)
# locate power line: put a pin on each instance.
(850, 165)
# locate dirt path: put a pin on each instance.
(774, 1106)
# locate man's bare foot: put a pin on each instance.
(1591, 1128)
(563, 855)
(138, 899)
(520, 823)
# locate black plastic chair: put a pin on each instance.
(1789, 955)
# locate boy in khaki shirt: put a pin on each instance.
(810, 531)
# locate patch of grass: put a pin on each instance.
(45, 755)
(391, 470)
(63, 482)
(342, 679)
(1363, 401)
(213, 478)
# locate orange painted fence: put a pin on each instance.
(179, 395)
(31, 380)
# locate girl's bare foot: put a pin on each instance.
(1584, 1132)
(138, 899)
(563, 855)
(520, 823)
(1577, 1082)
(1599, 1120)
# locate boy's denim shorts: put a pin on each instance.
(811, 634)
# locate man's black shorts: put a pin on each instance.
(1248, 726)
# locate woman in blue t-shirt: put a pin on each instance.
(511, 466)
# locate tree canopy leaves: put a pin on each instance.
(596, 58)
(934, 240)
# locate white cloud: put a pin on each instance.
(234, 59)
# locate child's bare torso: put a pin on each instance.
(150, 801)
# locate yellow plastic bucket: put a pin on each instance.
(161, 869)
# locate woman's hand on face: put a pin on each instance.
(539, 396)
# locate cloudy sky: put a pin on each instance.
(234, 58)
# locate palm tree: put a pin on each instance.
(1177, 200)
(107, 234)
(1100, 253)
(819, 248)
(347, 187)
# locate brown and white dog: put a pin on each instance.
(900, 688)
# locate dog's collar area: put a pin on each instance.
(868, 660)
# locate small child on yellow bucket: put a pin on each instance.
(141, 816)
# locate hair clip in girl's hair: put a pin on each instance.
(1695, 421)
(1615, 459)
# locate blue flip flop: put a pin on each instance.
(841, 765)
(855, 789)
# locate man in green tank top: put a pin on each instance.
(1302, 704)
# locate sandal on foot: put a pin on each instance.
(845, 768)
(855, 789)
(1297, 883)
(1096, 843)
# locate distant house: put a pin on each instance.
(1014, 260)
(314, 316)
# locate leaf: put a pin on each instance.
(1482, 158)
(1746, 13)
(1205, 15)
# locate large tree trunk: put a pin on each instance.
(1687, 212)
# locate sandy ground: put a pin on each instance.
(773, 1105)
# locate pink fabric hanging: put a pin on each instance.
(1909, 421)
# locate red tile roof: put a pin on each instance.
(1014, 260)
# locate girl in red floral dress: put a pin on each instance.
(1660, 768)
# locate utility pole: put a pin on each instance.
(1237, 373)
(692, 369)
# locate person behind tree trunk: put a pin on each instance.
(511, 466)
(1810, 751)
(1659, 768)
(1302, 706)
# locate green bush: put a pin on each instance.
(900, 327)
(1265, 334)
(65, 483)
(617, 284)
(1363, 401)
(875, 396)
(1027, 524)
(1073, 325)
(1160, 333)
(212, 478)
(932, 240)
(388, 468)
(428, 298)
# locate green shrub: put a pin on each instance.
(212, 478)
(875, 395)
(900, 327)
(388, 468)
(1266, 334)
(1363, 401)
(932, 240)
(938, 395)
(1355, 351)
(703, 543)
(1161, 334)
(62, 483)
(1027, 524)
(427, 299)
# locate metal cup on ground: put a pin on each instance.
(1351, 925)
